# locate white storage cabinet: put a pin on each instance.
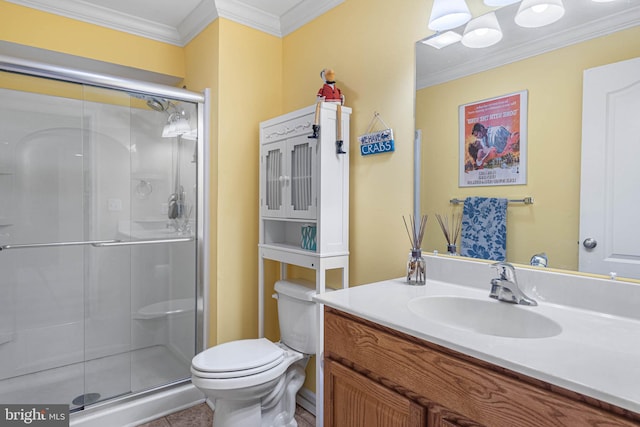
(304, 183)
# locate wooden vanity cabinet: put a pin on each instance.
(376, 376)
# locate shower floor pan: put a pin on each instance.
(97, 379)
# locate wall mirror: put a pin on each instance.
(549, 63)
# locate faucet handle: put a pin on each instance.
(507, 271)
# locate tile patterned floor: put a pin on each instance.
(202, 416)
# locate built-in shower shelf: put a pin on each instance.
(5, 222)
(6, 173)
(165, 308)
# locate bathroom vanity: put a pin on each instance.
(445, 354)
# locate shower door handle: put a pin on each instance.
(56, 244)
(141, 242)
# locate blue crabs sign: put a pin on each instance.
(376, 142)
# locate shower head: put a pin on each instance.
(157, 104)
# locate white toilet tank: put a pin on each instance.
(297, 314)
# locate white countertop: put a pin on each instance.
(596, 354)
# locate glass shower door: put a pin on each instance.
(41, 232)
(98, 291)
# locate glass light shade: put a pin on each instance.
(440, 40)
(483, 31)
(192, 135)
(176, 127)
(447, 14)
(498, 3)
(538, 13)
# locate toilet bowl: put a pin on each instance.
(254, 382)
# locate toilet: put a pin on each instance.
(254, 382)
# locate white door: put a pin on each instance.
(610, 179)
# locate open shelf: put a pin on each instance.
(287, 234)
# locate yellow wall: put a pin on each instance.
(250, 91)
(371, 47)
(246, 89)
(201, 56)
(43, 30)
(554, 84)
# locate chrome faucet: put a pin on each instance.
(539, 260)
(505, 288)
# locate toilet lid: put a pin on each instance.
(238, 358)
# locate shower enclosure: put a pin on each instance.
(101, 284)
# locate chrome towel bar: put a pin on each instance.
(525, 200)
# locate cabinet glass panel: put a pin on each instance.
(301, 177)
(273, 175)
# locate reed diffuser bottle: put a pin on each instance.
(416, 266)
(451, 231)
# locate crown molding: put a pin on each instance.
(305, 12)
(199, 18)
(542, 44)
(98, 15)
(249, 16)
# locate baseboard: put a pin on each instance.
(307, 399)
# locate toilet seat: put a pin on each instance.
(212, 379)
(237, 359)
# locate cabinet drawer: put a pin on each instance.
(489, 397)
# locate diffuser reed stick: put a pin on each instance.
(417, 233)
(451, 231)
(416, 271)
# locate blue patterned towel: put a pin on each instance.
(484, 228)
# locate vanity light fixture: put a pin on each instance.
(447, 14)
(483, 31)
(538, 13)
(498, 3)
(440, 40)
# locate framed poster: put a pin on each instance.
(493, 141)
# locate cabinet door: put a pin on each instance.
(301, 182)
(272, 179)
(442, 417)
(353, 400)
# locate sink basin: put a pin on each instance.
(488, 317)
